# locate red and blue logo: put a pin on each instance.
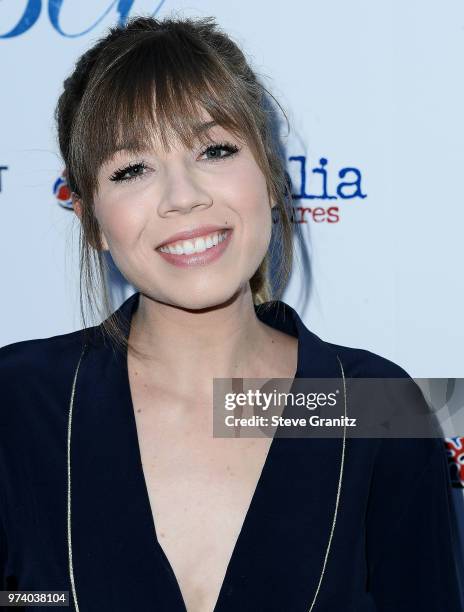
(455, 450)
(62, 192)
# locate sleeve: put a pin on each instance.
(411, 533)
(3, 434)
(3, 558)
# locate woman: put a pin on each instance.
(113, 485)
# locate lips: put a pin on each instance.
(197, 251)
(200, 231)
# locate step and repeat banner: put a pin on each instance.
(374, 95)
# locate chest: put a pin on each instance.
(199, 488)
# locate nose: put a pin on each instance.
(182, 192)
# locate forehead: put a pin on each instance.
(201, 130)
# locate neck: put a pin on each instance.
(194, 346)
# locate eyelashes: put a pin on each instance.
(120, 175)
(138, 168)
(228, 147)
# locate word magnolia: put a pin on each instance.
(345, 189)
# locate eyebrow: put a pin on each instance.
(198, 129)
(204, 126)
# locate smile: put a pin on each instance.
(195, 245)
(196, 251)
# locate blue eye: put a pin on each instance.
(215, 150)
(132, 172)
(135, 169)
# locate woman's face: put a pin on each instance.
(144, 200)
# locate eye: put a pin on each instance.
(214, 150)
(129, 173)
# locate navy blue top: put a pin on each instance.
(392, 547)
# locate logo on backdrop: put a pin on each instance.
(34, 8)
(2, 170)
(455, 449)
(311, 185)
(62, 192)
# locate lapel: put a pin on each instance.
(118, 562)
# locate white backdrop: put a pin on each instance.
(373, 87)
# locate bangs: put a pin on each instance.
(152, 94)
(149, 84)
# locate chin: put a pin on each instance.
(204, 299)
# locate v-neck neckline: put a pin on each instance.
(133, 304)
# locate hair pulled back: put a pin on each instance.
(149, 77)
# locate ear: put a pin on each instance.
(78, 206)
(273, 204)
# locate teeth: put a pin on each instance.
(196, 245)
(200, 245)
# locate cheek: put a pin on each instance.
(120, 220)
(254, 207)
(250, 193)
